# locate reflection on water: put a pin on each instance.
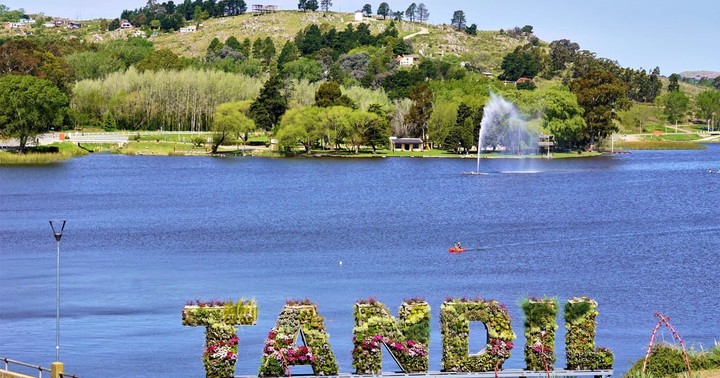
(637, 232)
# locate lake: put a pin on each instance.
(638, 233)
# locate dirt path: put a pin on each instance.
(422, 31)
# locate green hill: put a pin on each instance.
(485, 50)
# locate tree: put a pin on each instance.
(421, 110)
(600, 94)
(325, 5)
(268, 50)
(673, 85)
(398, 15)
(676, 106)
(367, 10)
(527, 29)
(303, 69)
(288, 54)
(461, 135)
(562, 52)
(231, 42)
(410, 12)
(366, 128)
(524, 61)
(422, 13)
(230, 120)
(472, 29)
(708, 104)
(270, 104)
(163, 59)
(30, 107)
(302, 125)
(330, 94)
(383, 10)
(562, 116)
(458, 20)
(311, 5)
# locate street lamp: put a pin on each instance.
(57, 225)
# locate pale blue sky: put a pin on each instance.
(674, 35)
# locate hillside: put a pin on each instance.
(485, 50)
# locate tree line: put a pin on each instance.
(131, 85)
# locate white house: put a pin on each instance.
(188, 29)
(125, 24)
(359, 16)
(407, 60)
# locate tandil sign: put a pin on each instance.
(405, 337)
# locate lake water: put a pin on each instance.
(639, 233)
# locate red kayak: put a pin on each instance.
(456, 250)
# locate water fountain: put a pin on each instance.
(504, 129)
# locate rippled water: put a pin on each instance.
(638, 233)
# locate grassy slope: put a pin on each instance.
(484, 50)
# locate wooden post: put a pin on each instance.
(56, 369)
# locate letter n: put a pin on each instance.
(298, 318)
(221, 341)
(407, 339)
(455, 318)
(580, 314)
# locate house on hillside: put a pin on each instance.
(74, 25)
(359, 16)
(407, 60)
(125, 24)
(188, 29)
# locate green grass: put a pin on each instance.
(658, 145)
(42, 155)
(162, 148)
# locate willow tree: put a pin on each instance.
(230, 120)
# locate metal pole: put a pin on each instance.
(57, 232)
(57, 304)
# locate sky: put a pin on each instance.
(673, 35)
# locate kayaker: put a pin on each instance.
(458, 245)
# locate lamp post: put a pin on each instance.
(57, 225)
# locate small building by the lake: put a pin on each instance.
(406, 144)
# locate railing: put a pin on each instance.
(7, 362)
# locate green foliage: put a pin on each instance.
(673, 85)
(422, 108)
(562, 116)
(230, 120)
(303, 69)
(580, 352)
(330, 94)
(221, 341)
(298, 318)
(407, 339)
(600, 94)
(270, 105)
(161, 60)
(30, 106)
(525, 62)
(95, 64)
(455, 318)
(708, 105)
(667, 360)
(540, 327)
(183, 100)
(676, 106)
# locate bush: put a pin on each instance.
(198, 141)
(667, 361)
